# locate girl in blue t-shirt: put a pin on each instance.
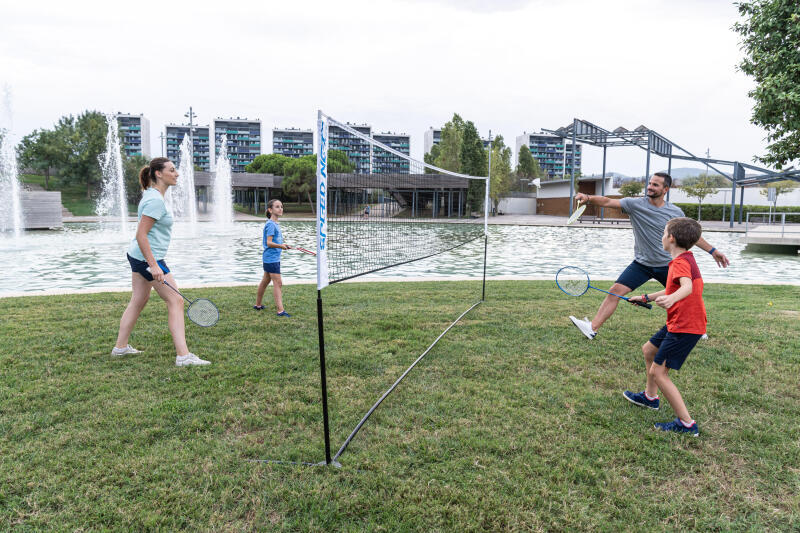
(272, 240)
(146, 255)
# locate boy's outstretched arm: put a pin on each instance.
(668, 301)
(650, 297)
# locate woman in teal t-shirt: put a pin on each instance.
(146, 255)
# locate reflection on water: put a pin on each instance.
(93, 255)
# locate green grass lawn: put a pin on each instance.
(73, 197)
(513, 422)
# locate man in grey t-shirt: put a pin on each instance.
(649, 215)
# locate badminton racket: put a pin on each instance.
(201, 311)
(309, 252)
(576, 214)
(575, 282)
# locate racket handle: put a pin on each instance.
(642, 304)
(176, 290)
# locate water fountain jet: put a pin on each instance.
(223, 200)
(112, 199)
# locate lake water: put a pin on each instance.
(91, 255)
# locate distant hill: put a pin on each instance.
(686, 172)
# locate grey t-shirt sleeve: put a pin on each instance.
(648, 224)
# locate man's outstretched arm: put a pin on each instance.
(600, 201)
(718, 256)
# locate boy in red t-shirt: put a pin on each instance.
(686, 323)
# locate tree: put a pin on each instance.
(771, 31)
(461, 150)
(131, 165)
(500, 171)
(431, 157)
(780, 188)
(85, 140)
(527, 169)
(300, 177)
(473, 157)
(699, 187)
(631, 188)
(42, 150)
(450, 144)
(267, 164)
(339, 162)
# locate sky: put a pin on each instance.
(400, 65)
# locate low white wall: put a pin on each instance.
(41, 209)
(517, 206)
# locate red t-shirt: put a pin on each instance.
(689, 314)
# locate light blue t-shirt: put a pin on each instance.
(272, 255)
(152, 205)
(648, 222)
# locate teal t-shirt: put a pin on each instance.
(152, 205)
(271, 255)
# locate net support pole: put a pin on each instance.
(603, 183)
(486, 218)
(323, 380)
(738, 173)
(322, 264)
(572, 165)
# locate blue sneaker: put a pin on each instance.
(678, 427)
(284, 313)
(641, 400)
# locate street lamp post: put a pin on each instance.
(191, 115)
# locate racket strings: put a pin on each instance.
(572, 280)
(203, 312)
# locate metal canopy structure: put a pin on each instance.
(584, 132)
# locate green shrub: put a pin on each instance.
(714, 211)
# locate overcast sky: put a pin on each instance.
(399, 65)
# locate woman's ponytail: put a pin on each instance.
(147, 175)
(144, 177)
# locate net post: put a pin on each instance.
(486, 218)
(485, 247)
(322, 263)
(323, 380)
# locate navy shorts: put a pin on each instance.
(141, 267)
(638, 274)
(673, 347)
(272, 268)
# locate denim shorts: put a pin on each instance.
(673, 347)
(272, 268)
(638, 274)
(141, 267)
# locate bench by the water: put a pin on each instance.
(597, 220)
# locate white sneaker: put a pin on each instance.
(585, 326)
(189, 359)
(117, 352)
